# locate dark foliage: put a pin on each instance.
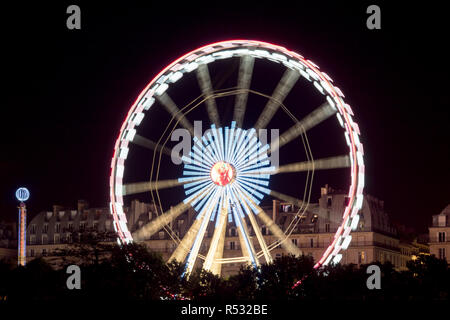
(132, 273)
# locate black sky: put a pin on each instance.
(65, 93)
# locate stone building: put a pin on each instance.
(439, 235)
(50, 231)
(8, 241)
(374, 240)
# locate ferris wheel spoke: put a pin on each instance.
(216, 267)
(283, 88)
(216, 141)
(246, 201)
(216, 246)
(155, 225)
(311, 120)
(196, 243)
(149, 144)
(247, 247)
(186, 243)
(277, 232)
(205, 216)
(249, 150)
(245, 77)
(241, 143)
(202, 154)
(285, 197)
(140, 187)
(229, 140)
(256, 157)
(318, 164)
(204, 81)
(172, 108)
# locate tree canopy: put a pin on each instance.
(133, 273)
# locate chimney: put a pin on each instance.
(56, 209)
(275, 210)
(82, 204)
(324, 190)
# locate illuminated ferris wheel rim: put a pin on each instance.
(238, 48)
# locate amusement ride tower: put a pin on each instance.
(22, 194)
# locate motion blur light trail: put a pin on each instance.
(227, 172)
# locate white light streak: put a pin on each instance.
(137, 118)
(130, 134)
(318, 87)
(346, 242)
(175, 77)
(161, 89)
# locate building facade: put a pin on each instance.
(439, 235)
(375, 238)
(8, 241)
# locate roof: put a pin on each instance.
(446, 211)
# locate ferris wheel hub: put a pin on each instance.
(222, 173)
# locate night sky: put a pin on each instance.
(66, 92)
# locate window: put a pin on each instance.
(83, 226)
(361, 257)
(327, 227)
(361, 224)
(161, 235)
(48, 216)
(180, 223)
(95, 226)
(311, 242)
(441, 236)
(33, 240)
(44, 239)
(70, 227)
(232, 245)
(33, 229)
(69, 238)
(329, 201)
(44, 252)
(294, 241)
(442, 253)
(232, 232)
(263, 230)
(57, 228)
(56, 238)
(442, 220)
(32, 252)
(45, 228)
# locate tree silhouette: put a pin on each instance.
(133, 273)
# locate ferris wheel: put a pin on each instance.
(224, 174)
